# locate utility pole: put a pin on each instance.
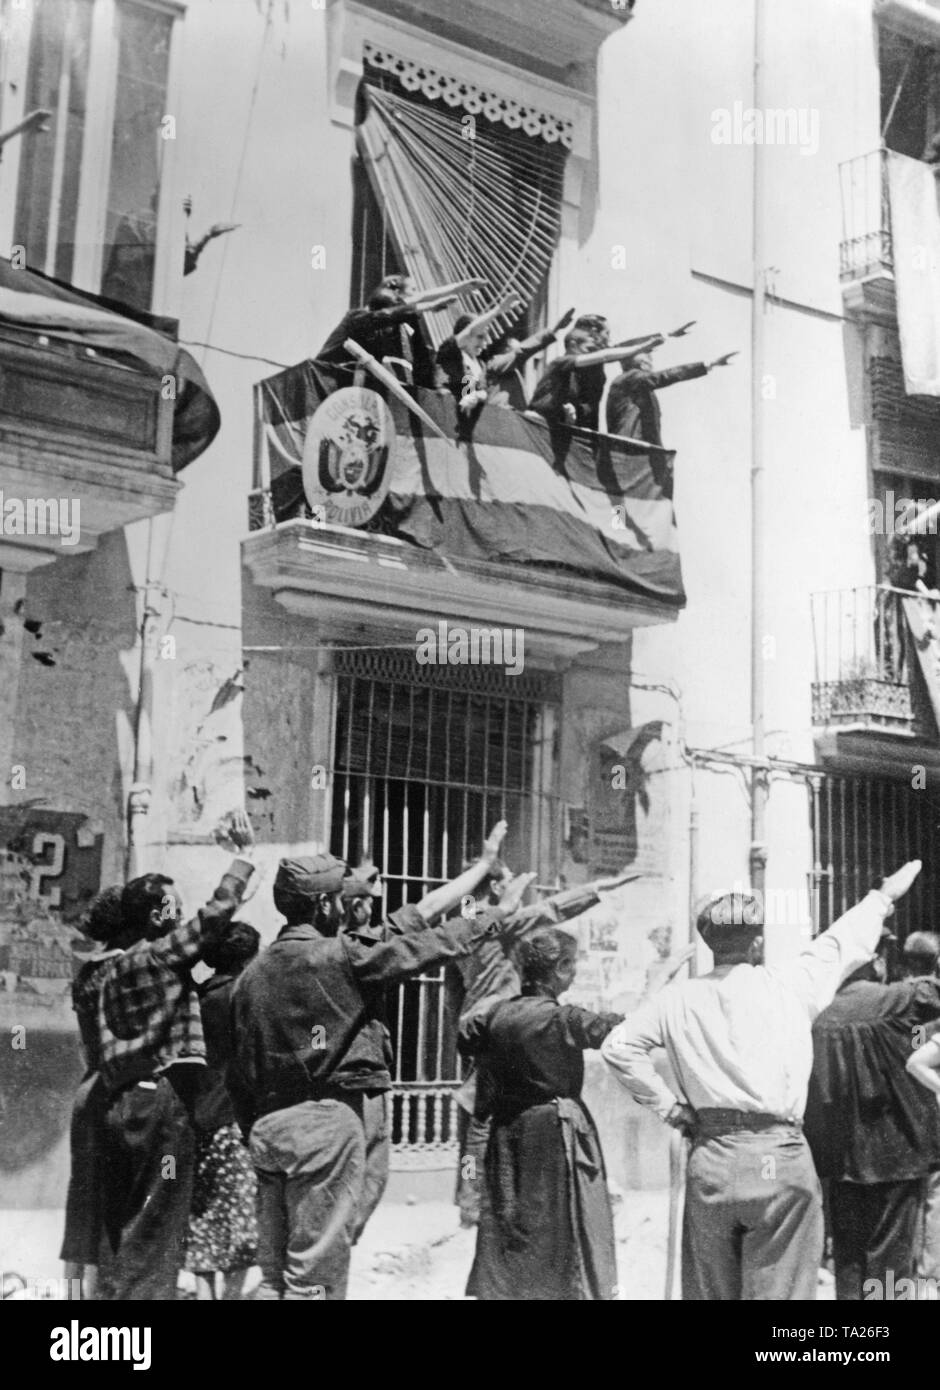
(759, 780)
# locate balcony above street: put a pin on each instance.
(866, 251)
(876, 673)
(75, 424)
(351, 580)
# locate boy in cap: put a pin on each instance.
(311, 1067)
(739, 1041)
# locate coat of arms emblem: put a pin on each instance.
(348, 456)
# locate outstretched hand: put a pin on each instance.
(897, 884)
(513, 894)
(681, 332)
(723, 361)
(564, 321)
(493, 842)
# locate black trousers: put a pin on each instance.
(147, 1165)
(874, 1230)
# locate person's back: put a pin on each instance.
(867, 1119)
(534, 1048)
(748, 1030)
(303, 1020)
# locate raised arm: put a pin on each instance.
(615, 354)
(821, 967)
(442, 900)
(419, 300)
(507, 305)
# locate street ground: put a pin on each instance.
(410, 1252)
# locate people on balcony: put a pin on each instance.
(462, 366)
(571, 387)
(632, 408)
(389, 326)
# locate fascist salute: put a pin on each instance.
(311, 1068)
(389, 326)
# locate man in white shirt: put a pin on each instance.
(739, 1042)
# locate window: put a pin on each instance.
(910, 94)
(426, 760)
(452, 194)
(47, 196)
(137, 143)
(117, 123)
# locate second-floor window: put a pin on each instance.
(107, 115)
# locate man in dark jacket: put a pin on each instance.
(311, 1068)
(873, 1131)
(632, 408)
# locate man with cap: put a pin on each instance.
(739, 1041)
(389, 325)
(311, 1066)
(873, 1131)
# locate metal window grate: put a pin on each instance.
(426, 760)
(864, 828)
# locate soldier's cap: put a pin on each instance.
(307, 876)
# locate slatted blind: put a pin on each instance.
(457, 206)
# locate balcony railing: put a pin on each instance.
(867, 669)
(865, 251)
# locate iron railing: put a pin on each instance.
(866, 248)
(866, 663)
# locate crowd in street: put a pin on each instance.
(244, 1121)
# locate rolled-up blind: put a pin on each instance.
(489, 205)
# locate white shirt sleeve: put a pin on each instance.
(819, 970)
(626, 1050)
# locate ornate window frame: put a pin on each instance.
(463, 76)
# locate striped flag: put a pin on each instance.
(506, 487)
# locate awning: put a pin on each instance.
(36, 303)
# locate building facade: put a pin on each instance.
(202, 653)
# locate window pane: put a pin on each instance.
(136, 155)
(47, 192)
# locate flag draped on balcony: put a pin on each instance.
(516, 490)
(462, 196)
(34, 303)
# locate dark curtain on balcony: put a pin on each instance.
(456, 206)
(33, 303)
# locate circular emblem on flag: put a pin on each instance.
(348, 455)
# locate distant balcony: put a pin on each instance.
(868, 676)
(866, 253)
(76, 424)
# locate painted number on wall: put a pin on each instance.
(49, 869)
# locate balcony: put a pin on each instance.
(866, 254)
(378, 585)
(869, 679)
(78, 425)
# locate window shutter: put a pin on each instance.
(456, 206)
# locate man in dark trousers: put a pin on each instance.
(311, 1067)
(151, 1051)
(632, 408)
(874, 1132)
